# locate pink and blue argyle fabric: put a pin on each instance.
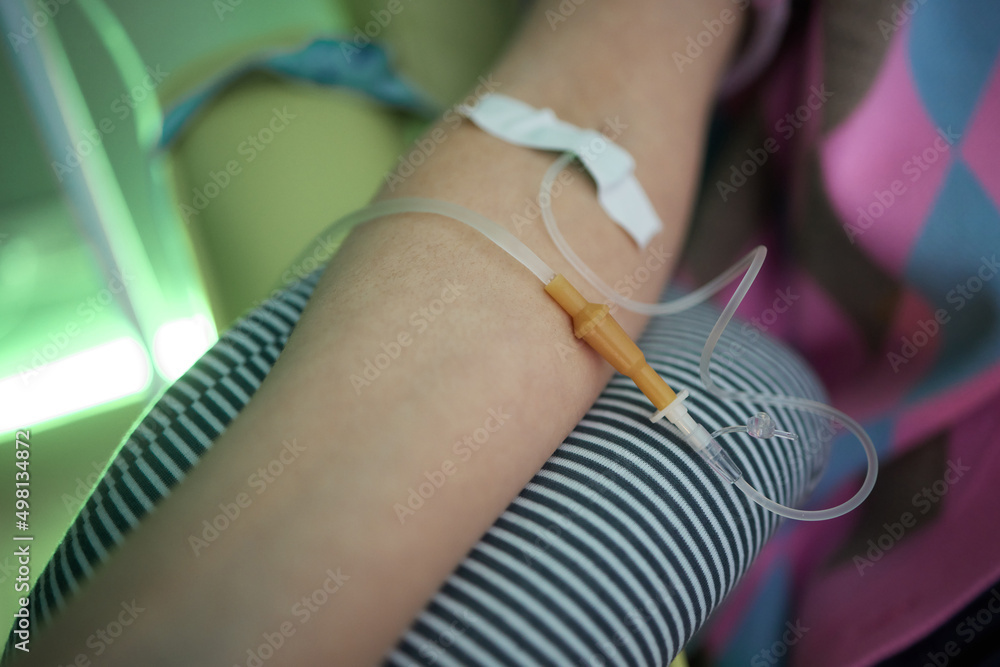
(867, 158)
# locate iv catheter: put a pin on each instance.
(703, 443)
(594, 324)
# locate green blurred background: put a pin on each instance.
(107, 292)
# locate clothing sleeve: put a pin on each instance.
(615, 553)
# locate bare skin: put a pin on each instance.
(495, 346)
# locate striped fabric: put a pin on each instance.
(615, 553)
(168, 441)
(623, 543)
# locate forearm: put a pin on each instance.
(499, 345)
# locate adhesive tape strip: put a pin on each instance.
(611, 166)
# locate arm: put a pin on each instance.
(496, 346)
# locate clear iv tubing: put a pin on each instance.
(491, 230)
(750, 264)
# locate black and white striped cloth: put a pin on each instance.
(614, 554)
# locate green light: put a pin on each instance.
(76, 382)
(180, 343)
